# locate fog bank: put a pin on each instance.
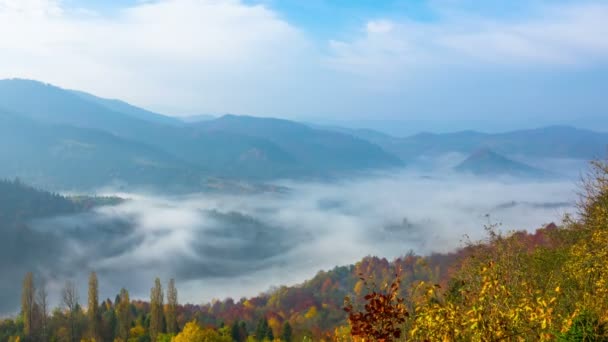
(217, 246)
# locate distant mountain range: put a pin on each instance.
(546, 142)
(67, 139)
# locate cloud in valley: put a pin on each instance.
(239, 245)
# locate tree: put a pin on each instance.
(193, 333)
(42, 301)
(93, 308)
(171, 309)
(263, 331)
(238, 331)
(28, 301)
(286, 333)
(156, 310)
(384, 315)
(70, 300)
(123, 309)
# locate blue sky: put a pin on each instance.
(443, 62)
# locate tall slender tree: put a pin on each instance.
(28, 302)
(171, 308)
(43, 305)
(70, 300)
(123, 309)
(156, 310)
(93, 308)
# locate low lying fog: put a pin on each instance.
(240, 245)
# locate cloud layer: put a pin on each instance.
(227, 245)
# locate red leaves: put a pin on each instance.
(383, 317)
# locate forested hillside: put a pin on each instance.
(20, 202)
(22, 246)
(517, 286)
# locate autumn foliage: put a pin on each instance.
(547, 286)
(383, 315)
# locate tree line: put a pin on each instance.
(122, 320)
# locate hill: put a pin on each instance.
(21, 246)
(485, 162)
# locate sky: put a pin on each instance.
(478, 63)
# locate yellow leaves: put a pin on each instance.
(248, 304)
(194, 333)
(311, 313)
(137, 331)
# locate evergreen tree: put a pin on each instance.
(269, 334)
(28, 300)
(263, 330)
(235, 332)
(286, 333)
(171, 310)
(93, 309)
(156, 310)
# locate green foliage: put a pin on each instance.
(286, 332)
(586, 327)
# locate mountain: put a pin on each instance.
(125, 108)
(312, 148)
(486, 162)
(197, 118)
(133, 144)
(547, 142)
(67, 157)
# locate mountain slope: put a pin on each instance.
(125, 108)
(59, 156)
(313, 148)
(252, 149)
(485, 162)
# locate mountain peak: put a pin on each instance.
(486, 162)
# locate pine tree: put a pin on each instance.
(93, 309)
(286, 333)
(263, 330)
(28, 297)
(156, 310)
(269, 334)
(171, 310)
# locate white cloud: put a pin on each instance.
(379, 26)
(172, 51)
(555, 36)
(225, 56)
